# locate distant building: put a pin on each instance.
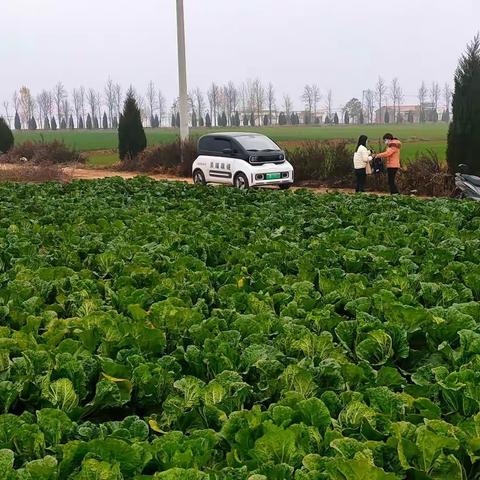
(404, 111)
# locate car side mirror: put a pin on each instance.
(227, 151)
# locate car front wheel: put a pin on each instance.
(240, 181)
(285, 186)
(199, 178)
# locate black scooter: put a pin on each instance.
(466, 186)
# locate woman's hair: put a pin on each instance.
(362, 141)
(388, 136)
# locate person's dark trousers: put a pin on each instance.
(391, 172)
(361, 176)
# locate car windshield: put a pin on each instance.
(256, 143)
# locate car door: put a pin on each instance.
(220, 168)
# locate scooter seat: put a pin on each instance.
(472, 179)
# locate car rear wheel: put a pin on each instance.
(199, 178)
(240, 181)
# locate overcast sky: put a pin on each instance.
(339, 44)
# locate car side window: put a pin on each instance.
(215, 146)
(207, 144)
(221, 144)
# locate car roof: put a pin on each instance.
(232, 134)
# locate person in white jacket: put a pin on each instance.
(361, 158)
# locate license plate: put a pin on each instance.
(272, 176)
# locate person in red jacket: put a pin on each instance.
(392, 155)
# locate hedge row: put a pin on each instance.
(326, 163)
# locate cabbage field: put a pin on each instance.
(156, 330)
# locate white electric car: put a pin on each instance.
(241, 159)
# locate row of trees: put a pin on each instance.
(258, 104)
(83, 108)
(251, 103)
(384, 103)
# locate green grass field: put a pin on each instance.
(416, 138)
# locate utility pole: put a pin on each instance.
(182, 72)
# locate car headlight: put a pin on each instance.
(259, 176)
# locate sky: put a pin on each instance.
(342, 45)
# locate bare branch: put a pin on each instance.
(329, 104)
(59, 94)
(380, 92)
(110, 100)
(213, 99)
(287, 106)
(270, 101)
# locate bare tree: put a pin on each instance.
(191, 106)
(234, 96)
(44, 102)
(174, 110)
(66, 109)
(81, 100)
(222, 101)
(151, 98)
(41, 110)
(213, 95)
(99, 106)
(161, 104)
(315, 99)
(307, 98)
(259, 97)
(447, 95)
(370, 104)
(226, 102)
(58, 97)
(400, 100)
(230, 94)
(77, 105)
(117, 88)
(380, 92)
(422, 97)
(16, 101)
(422, 94)
(6, 107)
(45, 106)
(393, 96)
(396, 95)
(270, 101)
(110, 99)
(435, 93)
(251, 97)
(287, 106)
(199, 102)
(244, 97)
(27, 105)
(329, 104)
(91, 98)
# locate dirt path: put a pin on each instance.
(99, 173)
(93, 174)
